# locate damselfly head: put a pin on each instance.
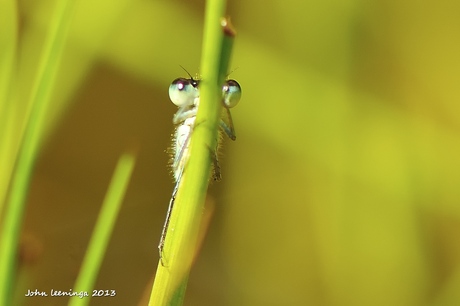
(231, 93)
(183, 92)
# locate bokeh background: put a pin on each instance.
(341, 189)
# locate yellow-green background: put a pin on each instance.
(341, 189)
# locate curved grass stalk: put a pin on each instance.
(33, 136)
(8, 49)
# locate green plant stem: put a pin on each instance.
(8, 42)
(227, 48)
(27, 155)
(103, 229)
(181, 238)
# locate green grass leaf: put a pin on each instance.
(8, 42)
(103, 229)
(29, 148)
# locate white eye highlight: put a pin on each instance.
(231, 93)
(183, 92)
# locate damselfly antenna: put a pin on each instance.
(232, 71)
(187, 73)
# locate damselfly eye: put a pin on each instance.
(231, 93)
(183, 91)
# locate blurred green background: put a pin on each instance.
(341, 189)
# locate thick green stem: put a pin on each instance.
(181, 237)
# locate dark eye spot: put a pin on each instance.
(180, 83)
(229, 84)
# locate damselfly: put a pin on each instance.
(185, 94)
